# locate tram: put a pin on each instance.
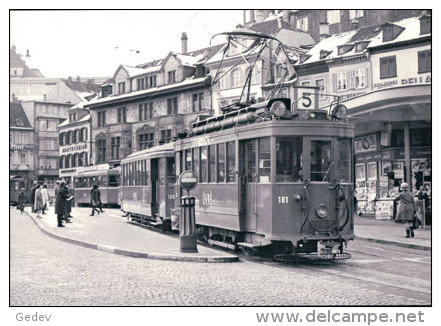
(16, 183)
(108, 181)
(148, 185)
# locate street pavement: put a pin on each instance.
(111, 232)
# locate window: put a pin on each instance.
(195, 156)
(424, 61)
(121, 88)
(388, 67)
(140, 83)
(22, 158)
(203, 160)
(302, 24)
(115, 147)
(74, 160)
(333, 16)
(344, 160)
(306, 83)
(145, 141)
(289, 159)
(198, 102)
(188, 159)
(166, 136)
(74, 136)
(122, 115)
(320, 160)
(359, 80)
(221, 80)
(388, 33)
(172, 105)
(172, 76)
(320, 83)
(68, 137)
(220, 162)
(212, 163)
(264, 159)
(250, 160)
(101, 150)
(101, 118)
(360, 172)
(341, 82)
(61, 162)
(68, 161)
(231, 162)
(145, 111)
(426, 25)
(235, 78)
(355, 14)
(152, 81)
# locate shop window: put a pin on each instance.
(397, 138)
(360, 172)
(231, 161)
(264, 159)
(288, 157)
(220, 162)
(421, 137)
(320, 160)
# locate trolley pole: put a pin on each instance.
(187, 217)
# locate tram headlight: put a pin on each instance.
(321, 211)
(278, 108)
(339, 112)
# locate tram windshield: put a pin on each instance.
(289, 159)
(321, 163)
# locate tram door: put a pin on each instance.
(155, 186)
(248, 183)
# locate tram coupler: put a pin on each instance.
(187, 225)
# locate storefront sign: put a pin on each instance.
(75, 148)
(17, 146)
(424, 79)
(366, 143)
(67, 171)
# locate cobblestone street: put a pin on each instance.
(48, 272)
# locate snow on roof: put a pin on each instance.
(152, 91)
(66, 122)
(134, 71)
(411, 31)
(188, 60)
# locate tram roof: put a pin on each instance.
(153, 151)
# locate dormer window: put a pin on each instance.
(172, 76)
(425, 25)
(391, 32)
(324, 54)
(342, 49)
(360, 46)
(121, 88)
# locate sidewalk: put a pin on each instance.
(112, 233)
(389, 232)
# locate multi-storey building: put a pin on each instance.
(321, 23)
(146, 105)
(383, 75)
(230, 78)
(45, 118)
(21, 150)
(74, 142)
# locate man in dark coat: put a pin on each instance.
(95, 199)
(61, 202)
(22, 199)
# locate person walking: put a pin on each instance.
(406, 209)
(61, 201)
(45, 197)
(32, 198)
(21, 200)
(38, 205)
(69, 204)
(95, 199)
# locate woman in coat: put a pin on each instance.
(21, 202)
(38, 206)
(45, 197)
(406, 209)
(61, 202)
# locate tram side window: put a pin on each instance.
(113, 181)
(204, 164)
(344, 160)
(220, 162)
(212, 163)
(196, 161)
(320, 160)
(231, 161)
(170, 171)
(250, 157)
(264, 159)
(288, 158)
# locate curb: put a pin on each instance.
(396, 243)
(134, 254)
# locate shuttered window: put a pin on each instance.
(388, 67)
(424, 61)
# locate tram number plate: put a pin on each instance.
(283, 199)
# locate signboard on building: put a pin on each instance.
(366, 143)
(421, 79)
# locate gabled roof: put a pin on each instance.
(17, 116)
(269, 27)
(16, 61)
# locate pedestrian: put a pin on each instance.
(32, 198)
(423, 196)
(69, 204)
(21, 201)
(45, 196)
(95, 199)
(406, 209)
(38, 205)
(61, 201)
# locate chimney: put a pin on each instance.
(27, 54)
(259, 16)
(324, 30)
(279, 22)
(354, 23)
(184, 39)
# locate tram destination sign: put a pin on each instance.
(188, 180)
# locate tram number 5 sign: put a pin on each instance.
(188, 180)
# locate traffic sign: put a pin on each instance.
(188, 180)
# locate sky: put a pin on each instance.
(93, 43)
